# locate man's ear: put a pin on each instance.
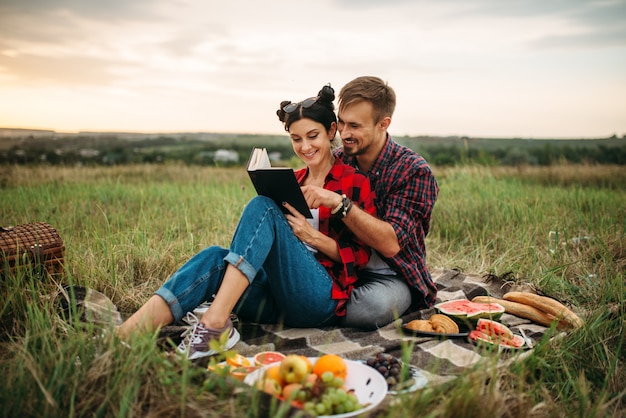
(384, 123)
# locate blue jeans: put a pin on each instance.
(287, 283)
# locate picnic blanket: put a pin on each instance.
(437, 360)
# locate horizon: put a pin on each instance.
(460, 136)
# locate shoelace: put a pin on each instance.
(197, 333)
(190, 336)
(191, 318)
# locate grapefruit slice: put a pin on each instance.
(267, 357)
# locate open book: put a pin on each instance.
(277, 183)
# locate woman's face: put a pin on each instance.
(311, 141)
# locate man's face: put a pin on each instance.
(357, 128)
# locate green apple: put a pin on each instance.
(293, 369)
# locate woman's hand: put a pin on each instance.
(318, 196)
(300, 226)
(309, 235)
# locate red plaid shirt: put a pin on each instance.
(406, 191)
(344, 179)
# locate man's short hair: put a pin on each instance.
(373, 90)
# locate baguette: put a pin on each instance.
(519, 309)
(547, 305)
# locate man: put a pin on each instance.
(396, 277)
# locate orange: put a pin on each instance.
(240, 373)
(273, 372)
(218, 368)
(331, 363)
(238, 360)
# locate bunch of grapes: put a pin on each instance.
(392, 370)
(327, 396)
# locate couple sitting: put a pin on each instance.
(373, 198)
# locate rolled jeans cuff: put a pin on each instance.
(242, 265)
(172, 301)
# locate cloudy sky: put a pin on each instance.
(523, 68)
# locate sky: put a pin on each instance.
(490, 68)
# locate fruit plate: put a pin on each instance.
(419, 381)
(369, 386)
(463, 333)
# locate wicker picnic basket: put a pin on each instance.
(35, 244)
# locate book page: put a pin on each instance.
(259, 159)
(278, 183)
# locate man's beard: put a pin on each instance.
(354, 151)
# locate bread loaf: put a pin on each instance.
(547, 305)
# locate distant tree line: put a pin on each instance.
(513, 156)
(114, 150)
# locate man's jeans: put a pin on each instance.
(287, 283)
(376, 301)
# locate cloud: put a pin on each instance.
(588, 39)
(209, 57)
(110, 9)
(37, 70)
(589, 23)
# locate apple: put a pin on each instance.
(312, 377)
(290, 390)
(270, 386)
(293, 369)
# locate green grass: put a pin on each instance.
(126, 229)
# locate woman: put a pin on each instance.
(269, 274)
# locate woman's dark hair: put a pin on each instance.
(322, 109)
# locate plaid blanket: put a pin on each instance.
(436, 360)
(433, 360)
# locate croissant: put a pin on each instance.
(443, 324)
(438, 323)
(420, 325)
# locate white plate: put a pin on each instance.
(420, 381)
(368, 384)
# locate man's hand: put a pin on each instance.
(318, 196)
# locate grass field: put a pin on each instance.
(127, 228)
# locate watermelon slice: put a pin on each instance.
(467, 313)
(495, 333)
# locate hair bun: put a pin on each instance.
(326, 96)
(282, 116)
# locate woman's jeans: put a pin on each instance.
(287, 283)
